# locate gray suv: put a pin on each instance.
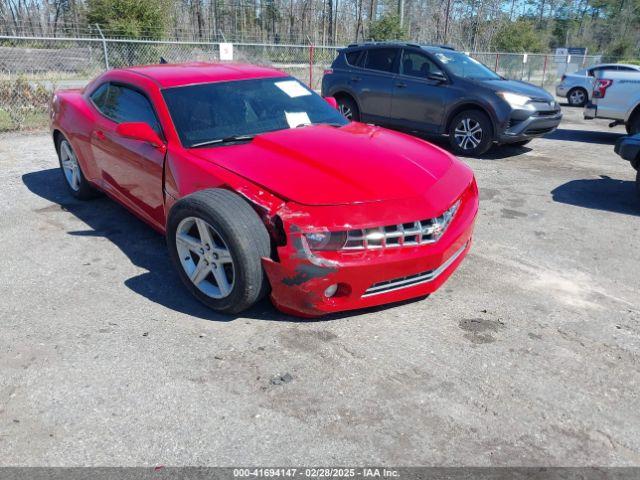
(438, 90)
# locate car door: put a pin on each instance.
(373, 83)
(418, 101)
(131, 169)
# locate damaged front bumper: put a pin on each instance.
(369, 277)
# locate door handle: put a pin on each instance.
(401, 85)
(355, 79)
(100, 135)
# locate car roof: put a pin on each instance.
(600, 65)
(429, 48)
(179, 74)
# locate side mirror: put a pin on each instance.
(140, 131)
(332, 101)
(437, 76)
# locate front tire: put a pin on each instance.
(216, 242)
(471, 133)
(633, 125)
(75, 180)
(577, 97)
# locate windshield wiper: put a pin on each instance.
(330, 124)
(218, 141)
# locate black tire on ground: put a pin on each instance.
(577, 97)
(348, 108)
(245, 236)
(633, 125)
(638, 184)
(521, 143)
(481, 133)
(84, 190)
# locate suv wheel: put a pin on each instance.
(577, 97)
(348, 109)
(470, 133)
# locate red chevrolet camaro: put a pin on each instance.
(260, 186)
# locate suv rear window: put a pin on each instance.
(381, 59)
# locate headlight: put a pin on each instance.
(325, 240)
(515, 100)
(441, 223)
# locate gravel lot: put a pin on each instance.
(529, 355)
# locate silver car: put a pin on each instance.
(577, 87)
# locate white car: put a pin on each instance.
(616, 96)
(577, 86)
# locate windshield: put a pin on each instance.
(463, 66)
(204, 114)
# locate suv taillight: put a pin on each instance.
(600, 88)
(328, 71)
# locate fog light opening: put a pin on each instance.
(331, 290)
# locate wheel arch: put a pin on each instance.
(470, 106)
(264, 204)
(578, 87)
(633, 112)
(347, 94)
(57, 136)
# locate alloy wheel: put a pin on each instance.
(345, 111)
(70, 166)
(205, 257)
(577, 97)
(468, 134)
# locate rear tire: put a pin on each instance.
(75, 180)
(216, 242)
(577, 97)
(638, 184)
(348, 108)
(470, 133)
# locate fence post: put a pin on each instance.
(311, 53)
(544, 71)
(104, 47)
(497, 60)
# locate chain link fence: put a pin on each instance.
(31, 68)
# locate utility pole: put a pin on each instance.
(446, 22)
(401, 12)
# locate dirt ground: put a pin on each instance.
(529, 355)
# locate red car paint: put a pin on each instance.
(298, 180)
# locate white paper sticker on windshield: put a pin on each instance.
(293, 88)
(295, 119)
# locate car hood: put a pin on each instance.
(515, 86)
(324, 165)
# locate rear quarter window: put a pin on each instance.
(353, 58)
(98, 97)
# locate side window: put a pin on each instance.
(627, 69)
(381, 59)
(98, 97)
(352, 57)
(597, 72)
(123, 104)
(417, 65)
